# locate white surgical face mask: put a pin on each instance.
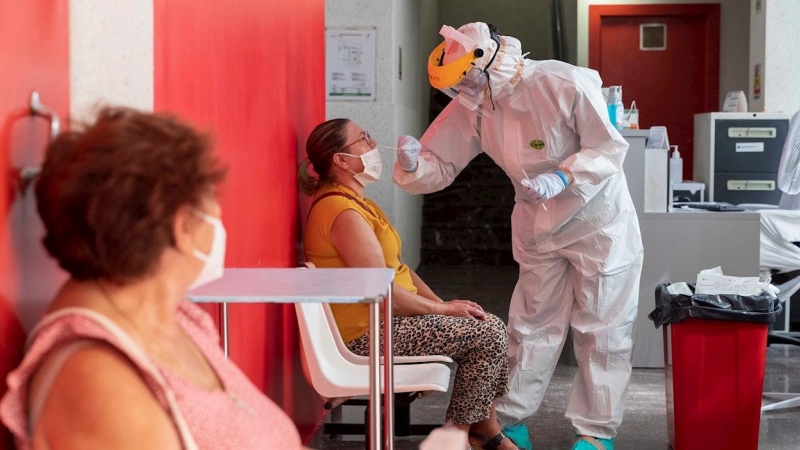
(372, 167)
(474, 83)
(214, 261)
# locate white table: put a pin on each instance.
(371, 286)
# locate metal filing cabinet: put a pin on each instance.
(737, 155)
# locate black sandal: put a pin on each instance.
(490, 443)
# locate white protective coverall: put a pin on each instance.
(580, 253)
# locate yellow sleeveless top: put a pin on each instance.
(352, 319)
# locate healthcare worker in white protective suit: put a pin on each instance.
(575, 233)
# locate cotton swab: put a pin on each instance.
(526, 177)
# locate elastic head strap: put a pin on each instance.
(496, 38)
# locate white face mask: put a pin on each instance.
(214, 261)
(372, 167)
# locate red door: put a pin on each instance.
(33, 56)
(669, 86)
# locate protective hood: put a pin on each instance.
(507, 62)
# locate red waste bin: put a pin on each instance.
(715, 379)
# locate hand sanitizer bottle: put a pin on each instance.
(675, 166)
(615, 108)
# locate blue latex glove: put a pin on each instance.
(583, 443)
(544, 187)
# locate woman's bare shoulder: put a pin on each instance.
(99, 399)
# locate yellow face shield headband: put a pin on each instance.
(446, 76)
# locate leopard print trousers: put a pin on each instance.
(479, 347)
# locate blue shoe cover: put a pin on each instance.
(519, 434)
(582, 444)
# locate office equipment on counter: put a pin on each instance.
(736, 155)
(707, 206)
(687, 191)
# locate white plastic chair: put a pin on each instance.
(332, 375)
(336, 378)
(364, 360)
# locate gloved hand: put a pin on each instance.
(408, 149)
(543, 187)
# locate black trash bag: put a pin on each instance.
(673, 308)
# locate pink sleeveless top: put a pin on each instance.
(238, 417)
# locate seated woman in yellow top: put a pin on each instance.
(345, 229)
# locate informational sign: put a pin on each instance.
(350, 64)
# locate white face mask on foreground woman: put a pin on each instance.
(214, 261)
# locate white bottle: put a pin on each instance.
(675, 166)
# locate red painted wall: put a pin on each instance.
(252, 73)
(34, 55)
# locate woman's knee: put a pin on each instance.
(494, 335)
(495, 322)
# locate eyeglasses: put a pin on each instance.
(364, 136)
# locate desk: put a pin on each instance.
(371, 286)
(678, 245)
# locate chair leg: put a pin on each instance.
(336, 418)
(367, 423)
(402, 420)
(403, 426)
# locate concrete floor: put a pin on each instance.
(644, 426)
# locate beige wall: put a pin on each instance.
(774, 37)
(111, 55)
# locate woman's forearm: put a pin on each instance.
(406, 303)
(423, 289)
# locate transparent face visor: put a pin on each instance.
(472, 90)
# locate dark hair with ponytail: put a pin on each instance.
(325, 140)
